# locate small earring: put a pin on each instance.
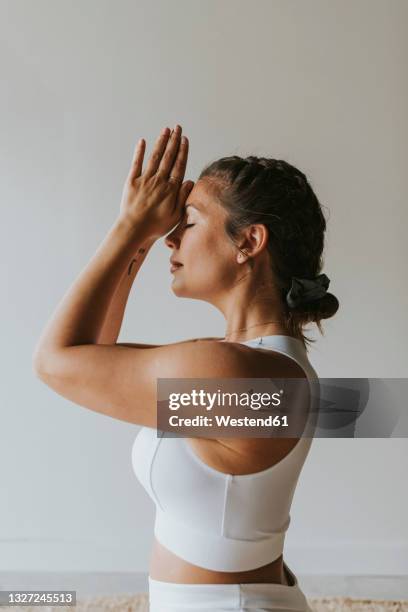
(241, 256)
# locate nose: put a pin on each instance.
(172, 240)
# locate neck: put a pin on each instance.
(254, 318)
(251, 307)
(256, 332)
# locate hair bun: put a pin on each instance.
(307, 289)
(316, 310)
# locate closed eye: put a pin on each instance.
(189, 225)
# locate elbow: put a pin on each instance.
(39, 364)
(48, 364)
(36, 367)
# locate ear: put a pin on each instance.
(254, 240)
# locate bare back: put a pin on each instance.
(234, 456)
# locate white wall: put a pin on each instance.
(320, 84)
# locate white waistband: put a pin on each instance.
(216, 552)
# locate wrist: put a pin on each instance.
(134, 231)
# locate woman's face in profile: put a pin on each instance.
(199, 243)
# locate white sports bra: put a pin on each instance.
(221, 521)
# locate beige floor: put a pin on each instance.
(100, 584)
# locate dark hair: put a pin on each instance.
(278, 195)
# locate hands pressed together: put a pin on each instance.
(156, 197)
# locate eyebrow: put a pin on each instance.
(196, 206)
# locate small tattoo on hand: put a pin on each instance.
(130, 266)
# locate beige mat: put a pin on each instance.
(139, 603)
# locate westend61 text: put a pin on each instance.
(225, 421)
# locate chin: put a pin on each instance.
(178, 289)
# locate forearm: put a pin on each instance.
(81, 313)
(110, 328)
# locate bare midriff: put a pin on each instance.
(168, 567)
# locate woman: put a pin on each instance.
(248, 238)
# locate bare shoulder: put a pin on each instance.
(210, 357)
(250, 455)
(230, 359)
(200, 357)
(148, 346)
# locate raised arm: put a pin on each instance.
(112, 324)
(110, 329)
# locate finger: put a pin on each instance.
(137, 161)
(179, 167)
(170, 153)
(157, 153)
(183, 195)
